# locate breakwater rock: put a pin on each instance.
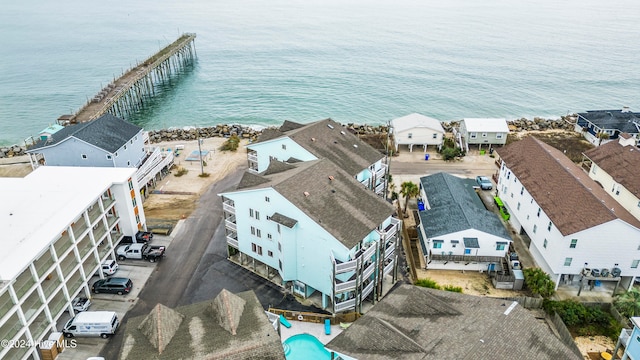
(186, 134)
(11, 151)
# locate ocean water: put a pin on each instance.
(262, 62)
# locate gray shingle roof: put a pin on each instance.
(342, 206)
(420, 323)
(200, 336)
(613, 119)
(455, 206)
(327, 139)
(560, 187)
(106, 132)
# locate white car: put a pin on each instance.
(80, 304)
(109, 267)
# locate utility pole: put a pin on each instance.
(200, 153)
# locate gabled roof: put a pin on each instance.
(624, 121)
(454, 206)
(106, 132)
(620, 162)
(340, 204)
(571, 199)
(327, 139)
(201, 336)
(447, 325)
(416, 120)
(486, 125)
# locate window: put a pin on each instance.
(269, 237)
(535, 228)
(574, 243)
(484, 134)
(508, 175)
(257, 215)
(634, 264)
(125, 147)
(108, 157)
(500, 245)
(522, 190)
(409, 136)
(256, 249)
(258, 233)
(279, 247)
(437, 244)
(128, 163)
(518, 205)
(593, 168)
(539, 212)
(280, 264)
(116, 154)
(499, 135)
(284, 147)
(84, 156)
(639, 204)
(266, 198)
(544, 244)
(137, 219)
(134, 202)
(130, 184)
(512, 195)
(278, 228)
(253, 230)
(467, 251)
(473, 135)
(270, 253)
(567, 261)
(250, 212)
(131, 141)
(549, 226)
(435, 136)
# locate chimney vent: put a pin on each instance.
(306, 193)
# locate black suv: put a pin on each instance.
(142, 237)
(113, 285)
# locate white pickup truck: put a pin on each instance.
(140, 252)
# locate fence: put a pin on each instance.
(527, 302)
(315, 317)
(565, 335)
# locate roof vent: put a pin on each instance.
(331, 177)
(355, 145)
(306, 193)
(313, 139)
(342, 132)
(330, 126)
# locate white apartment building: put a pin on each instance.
(59, 224)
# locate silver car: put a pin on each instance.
(484, 182)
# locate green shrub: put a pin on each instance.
(539, 282)
(428, 283)
(204, 175)
(231, 144)
(181, 171)
(452, 288)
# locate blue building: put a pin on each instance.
(610, 122)
(325, 139)
(630, 339)
(314, 229)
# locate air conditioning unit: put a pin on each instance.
(604, 272)
(615, 272)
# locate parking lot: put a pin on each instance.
(139, 271)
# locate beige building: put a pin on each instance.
(59, 224)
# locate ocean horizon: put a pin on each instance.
(355, 61)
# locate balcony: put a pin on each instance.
(380, 172)
(112, 220)
(625, 334)
(369, 270)
(345, 266)
(345, 305)
(63, 244)
(345, 286)
(252, 156)
(231, 225)
(99, 232)
(388, 268)
(107, 202)
(380, 188)
(368, 289)
(232, 242)
(94, 213)
(79, 227)
(229, 207)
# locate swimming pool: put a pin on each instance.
(304, 346)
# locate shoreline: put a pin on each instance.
(251, 132)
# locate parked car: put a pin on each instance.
(113, 285)
(134, 240)
(80, 304)
(92, 323)
(144, 235)
(484, 182)
(140, 252)
(110, 267)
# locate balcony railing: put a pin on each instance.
(229, 207)
(389, 267)
(369, 270)
(487, 259)
(368, 289)
(231, 225)
(380, 188)
(232, 242)
(94, 213)
(625, 334)
(79, 227)
(252, 156)
(107, 202)
(346, 266)
(345, 305)
(345, 286)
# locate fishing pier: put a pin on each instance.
(127, 94)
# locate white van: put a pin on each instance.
(92, 323)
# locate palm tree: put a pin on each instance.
(629, 303)
(408, 189)
(602, 136)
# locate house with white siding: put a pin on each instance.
(614, 166)
(315, 230)
(577, 229)
(483, 131)
(324, 139)
(611, 122)
(417, 129)
(59, 224)
(456, 231)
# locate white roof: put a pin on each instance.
(416, 120)
(36, 209)
(95, 317)
(486, 125)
